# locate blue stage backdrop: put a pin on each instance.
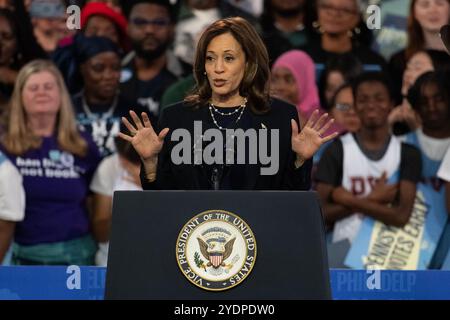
(87, 283)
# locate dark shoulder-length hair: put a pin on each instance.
(416, 40)
(255, 83)
(440, 78)
(27, 47)
(347, 64)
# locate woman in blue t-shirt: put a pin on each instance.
(57, 162)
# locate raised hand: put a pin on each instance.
(142, 136)
(306, 143)
(405, 113)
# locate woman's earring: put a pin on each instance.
(19, 57)
(316, 25)
(204, 73)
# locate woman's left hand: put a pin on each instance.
(306, 143)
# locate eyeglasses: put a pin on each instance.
(340, 11)
(142, 22)
(345, 107)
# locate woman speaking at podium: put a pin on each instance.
(232, 92)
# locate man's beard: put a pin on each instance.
(152, 54)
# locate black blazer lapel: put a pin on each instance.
(252, 171)
(200, 173)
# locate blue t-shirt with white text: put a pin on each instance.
(56, 185)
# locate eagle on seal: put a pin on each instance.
(216, 252)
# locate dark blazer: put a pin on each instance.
(194, 177)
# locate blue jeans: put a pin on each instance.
(80, 251)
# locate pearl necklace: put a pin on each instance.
(213, 107)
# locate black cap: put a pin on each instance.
(87, 47)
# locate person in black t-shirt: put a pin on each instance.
(145, 74)
(369, 172)
(341, 29)
(285, 26)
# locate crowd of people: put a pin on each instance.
(64, 94)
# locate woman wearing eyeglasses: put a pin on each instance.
(342, 109)
(340, 29)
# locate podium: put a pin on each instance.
(290, 259)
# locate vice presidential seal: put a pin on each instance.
(216, 250)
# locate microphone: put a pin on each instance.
(445, 36)
(216, 176)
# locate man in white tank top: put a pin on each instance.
(369, 172)
(444, 174)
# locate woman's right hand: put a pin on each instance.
(143, 138)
